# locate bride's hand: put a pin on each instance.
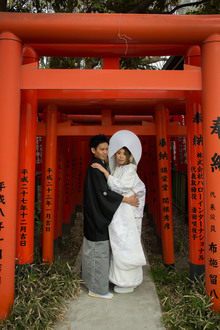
(98, 166)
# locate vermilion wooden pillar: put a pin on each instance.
(195, 161)
(150, 182)
(10, 66)
(50, 184)
(67, 180)
(26, 172)
(74, 180)
(83, 160)
(43, 181)
(195, 176)
(181, 155)
(112, 63)
(169, 162)
(156, 212)
(164, 186)
(169, 151)
(79, 173)
(61, 189)
(211, 134)
(56, 235)
(142, 166)
(154, 185)
(56, 225)
(146, 171)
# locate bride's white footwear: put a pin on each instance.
(119, 289)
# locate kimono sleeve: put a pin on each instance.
(108, 200)
(139, 188)
(125, 183)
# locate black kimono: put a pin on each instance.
(99, 204)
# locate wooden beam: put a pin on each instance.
(117, 28)
(64, 94)
(111, 79)
(146, 129)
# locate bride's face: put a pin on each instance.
(121, 157)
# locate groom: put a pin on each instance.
(99, 204)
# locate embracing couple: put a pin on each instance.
(113, 209)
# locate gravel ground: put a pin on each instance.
(180, 238)
(71, 241)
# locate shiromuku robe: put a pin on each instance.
(125, 229)
(99, 206)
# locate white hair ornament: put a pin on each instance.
(131, 159)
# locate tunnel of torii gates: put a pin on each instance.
(66, 107)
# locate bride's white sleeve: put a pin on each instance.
(139, 189)
(124, 184)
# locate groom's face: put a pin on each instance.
(101, 151)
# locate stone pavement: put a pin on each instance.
(137, 310)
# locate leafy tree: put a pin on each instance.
(113, 6)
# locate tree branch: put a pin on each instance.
(154, 59)
(141, 8)
(187, 5)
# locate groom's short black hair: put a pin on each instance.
(97, 139)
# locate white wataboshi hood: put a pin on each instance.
(128, 139)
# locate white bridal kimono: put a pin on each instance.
(125, 229)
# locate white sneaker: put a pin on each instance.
(105, 296)
(119, 289)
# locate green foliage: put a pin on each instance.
(19, 6)
(63, 63)
(211, 7)
(121, 6)
(74, 63)
(66, 6)
(40, 295)
(185, 303)
(112, 6)
(38, 223)
(135, 63)
(161, 6)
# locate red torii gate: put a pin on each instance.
(105, 35)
